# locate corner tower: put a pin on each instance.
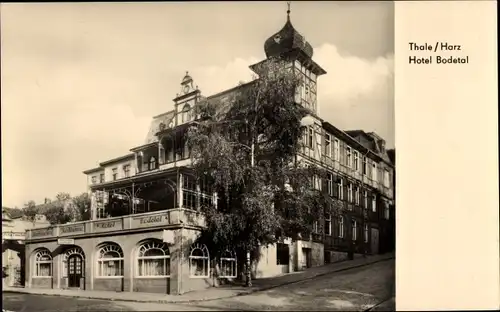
(289, 45)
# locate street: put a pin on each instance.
(356, 289)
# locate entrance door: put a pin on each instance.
(74, 271)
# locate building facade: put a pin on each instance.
(14, 226)
(146, 214)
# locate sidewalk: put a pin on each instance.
(210, 293)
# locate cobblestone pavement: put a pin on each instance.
(357, 289)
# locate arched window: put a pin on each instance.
(185, 113)
(43, 263)
(228, 264)
(110, 261)
(67, 254)
(341, 227)
(152, 163)
(199, 261)
(153, 259)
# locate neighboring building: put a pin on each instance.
(145, 205)
(14, 226)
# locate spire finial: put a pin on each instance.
(288, 11)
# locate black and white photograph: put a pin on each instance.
(198, 156)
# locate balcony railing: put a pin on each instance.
(164, 218)
(14, 235)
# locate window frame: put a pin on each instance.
(340, 188)
(232, 261)
(365, 166)
(328, 145)
(341, 227)
(336, 149)
(101, 178)
(114, 173)
(38, 257)
(356, 194)
(367, 233)
(329, 183)
(374, 202)
(328, 224)
(126, 170)
(205, 258)
(356, 161)
(387, 182)
(142, 259)
(348, 155)
(111, 248)
(387, 212)
(310, 137)
(350, 197)
(354, 229)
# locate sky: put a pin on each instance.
(80, 82)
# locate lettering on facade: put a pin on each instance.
(105, 225)
(72, 229)
(42, 232)
(152, 220)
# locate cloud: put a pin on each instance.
(356, 93)
(68, 116)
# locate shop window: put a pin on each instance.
(43, 263)
(153, 259)
(110, 261)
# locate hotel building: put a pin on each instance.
(145, 204)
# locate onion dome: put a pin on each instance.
(286, 40)
(186, 78)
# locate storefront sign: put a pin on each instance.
(151, 220)
(65, 241)
(105, 226)
(72, 229)
(42, 232)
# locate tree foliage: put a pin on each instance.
(274, 198)
(30, 211)
(81, 206)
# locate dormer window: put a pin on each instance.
(152, 163)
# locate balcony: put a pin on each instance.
(13, 235)
(159, 219)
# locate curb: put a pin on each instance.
(242, 293)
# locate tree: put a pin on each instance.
(81, 206)
(247, 149)
(59, 211)
(30, 211)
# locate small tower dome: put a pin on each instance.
(286, 40)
